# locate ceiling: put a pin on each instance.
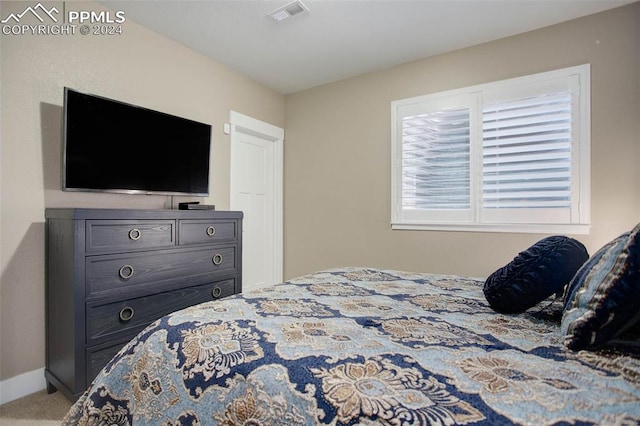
(337, 39)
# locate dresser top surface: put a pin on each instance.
(83, 214)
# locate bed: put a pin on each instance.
(362, 346)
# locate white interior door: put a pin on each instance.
(256, 190)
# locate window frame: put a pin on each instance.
(576, 78)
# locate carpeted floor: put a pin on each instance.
(38, 409)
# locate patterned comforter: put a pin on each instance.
(358, 346)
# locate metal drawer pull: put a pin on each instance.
(211, 231)
(135, 234)
(217, 259)
(126, 313)
(126, 272)
(217, 292)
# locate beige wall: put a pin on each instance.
(337, 150)
(138, 66)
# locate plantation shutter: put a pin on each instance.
(526, 153)
(436, 160)
(507, 156)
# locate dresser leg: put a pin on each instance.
(50, 388)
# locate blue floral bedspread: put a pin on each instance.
(356, 346)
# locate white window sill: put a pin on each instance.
(538, 228)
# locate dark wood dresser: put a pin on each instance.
(110, 273)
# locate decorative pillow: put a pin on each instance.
(535, 274)
(603, 299)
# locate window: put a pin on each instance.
(509, 156)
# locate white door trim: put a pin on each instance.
(254, 126)
(245, 124)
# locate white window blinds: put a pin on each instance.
(505, 156)
(436, 160)
(526, 153)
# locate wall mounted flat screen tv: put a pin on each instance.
(112, 146)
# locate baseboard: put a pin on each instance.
(22, 385)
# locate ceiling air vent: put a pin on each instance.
(289, 10)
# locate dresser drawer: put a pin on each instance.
(123, 235)
(97, 358)
(118, 273)
(192, 231)
(127, 318)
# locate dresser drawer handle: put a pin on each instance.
(126, 272)
(135, 234)
(126, 313)
(217, 292)
(211, 231)
(217, 259)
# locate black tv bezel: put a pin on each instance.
(65, 188)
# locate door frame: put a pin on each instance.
(240, 123)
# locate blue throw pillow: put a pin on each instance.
(533, 275)
(603, 299)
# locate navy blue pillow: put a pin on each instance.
(535, 274)
(603, 300)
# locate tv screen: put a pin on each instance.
(113, 146)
